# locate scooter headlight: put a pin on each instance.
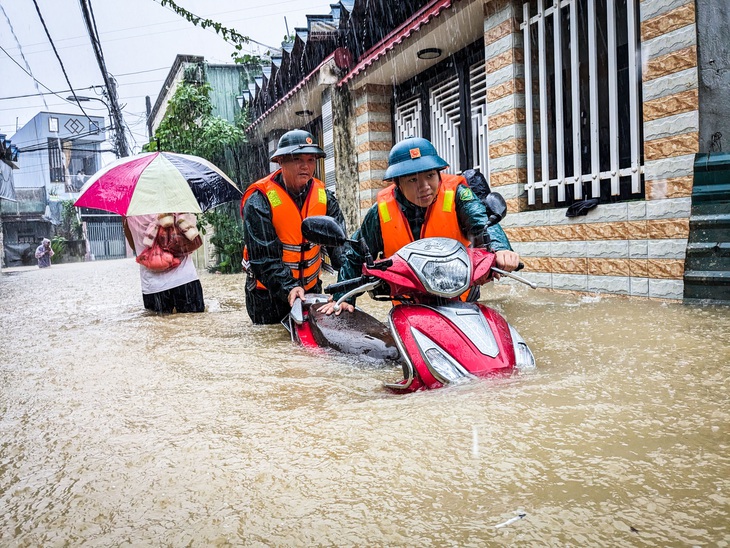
(524, 360)
(442, 366)
(441, 264)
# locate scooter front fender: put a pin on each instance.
(442, 344)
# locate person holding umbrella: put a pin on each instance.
(164, 290)
(280, 265)
(142, 187)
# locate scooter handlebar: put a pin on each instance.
(345, 286)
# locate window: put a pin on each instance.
(583, 108)
(55, 161)
(447, 105)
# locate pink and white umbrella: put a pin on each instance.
(158, 182)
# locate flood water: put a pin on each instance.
(122, 428)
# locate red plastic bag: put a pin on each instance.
(157, 259)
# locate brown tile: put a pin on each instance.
(672, 269)
(510, 87)
(507, 177)
(504, 59)
(495, 6)
(670, 63)
(667, 22)
(370, 127)
(537, 264)
(671, 105)
(569, 265)
(513, 205)
(372, 184)
(678, 187)
(370, 165)
(676, 145)
(608, 267)
(509, 118)
(500, 31)
(639, 268)
(603, 231)
(369, 146)
(366, 204)
(505, 148)
(662, 229)
(372, 107)
(636, 230)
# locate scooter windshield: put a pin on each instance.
(441, 264)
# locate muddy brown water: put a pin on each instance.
(122, 428)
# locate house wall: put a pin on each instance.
(373, 141)
(631, 248)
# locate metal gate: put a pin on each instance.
(106, 240)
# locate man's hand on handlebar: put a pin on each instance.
(330, 307)
(506, 260)
(297, 292)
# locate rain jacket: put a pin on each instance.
(470, 214)
(44, 254)
(265, 248)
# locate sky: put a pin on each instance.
(139, 40)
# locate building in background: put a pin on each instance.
(57, 154)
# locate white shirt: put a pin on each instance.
(154, 282)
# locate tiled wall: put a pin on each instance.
(505, 100)
(373, 140)
(633, 248)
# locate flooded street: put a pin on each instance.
(122, 428)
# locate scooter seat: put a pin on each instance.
(357, 333)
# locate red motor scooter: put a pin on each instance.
(438, 338)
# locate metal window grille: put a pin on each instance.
(106, 240)
(55, 161)
(446, 121)
(583, 108)
(479, 133)
(408, 119)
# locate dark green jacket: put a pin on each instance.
(471, 214)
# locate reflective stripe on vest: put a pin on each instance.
(302, 257)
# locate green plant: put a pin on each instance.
(70, 227)
(227, 239)
(58, 245)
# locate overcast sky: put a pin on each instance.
(139, 39)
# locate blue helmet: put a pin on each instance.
(413, 155)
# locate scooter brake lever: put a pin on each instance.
(381, 265)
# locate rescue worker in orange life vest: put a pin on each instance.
(423, 202)
(280, 265)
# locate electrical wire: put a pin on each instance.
(60, 62)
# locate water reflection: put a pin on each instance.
(119, 427)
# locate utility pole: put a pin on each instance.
(115, 112)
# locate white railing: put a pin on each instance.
(547, 128)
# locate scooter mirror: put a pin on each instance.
(323, 230)
(496, 207)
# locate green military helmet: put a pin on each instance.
(413, 155)
(297, 141)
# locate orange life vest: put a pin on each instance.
(441, 220)
(302, 257)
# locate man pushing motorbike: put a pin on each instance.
(279, 265)
(422, 202)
